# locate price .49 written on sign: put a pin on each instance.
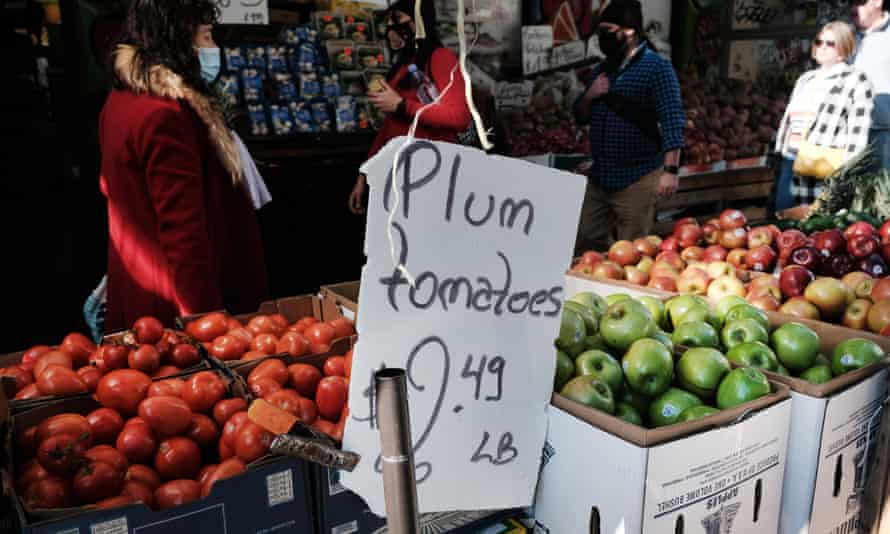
(475, 370)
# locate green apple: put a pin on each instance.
(677, 306)
(648, 367)
(727, 303)
(571, 331)
(590, 318)
(743, 331)
(854, 353)
(747, 311)
(616, 297)
(565, 370)
(590, 391)
(696, 334)
(667, 407)
(740, 386)
(696, 412)
(638, 401)
(602, 366)
(655, 307)
(796, 346)
(625, 322)
(817, 374)
(754, 354)
(660, 336)
(701, 369)
(591, 300)
(627, 412)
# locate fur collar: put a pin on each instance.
(165, 83)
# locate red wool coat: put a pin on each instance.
(182, 237)
(442, 122)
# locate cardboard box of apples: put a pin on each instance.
(724, 354)
(837, 276)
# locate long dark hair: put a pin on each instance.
(425, 47)
(163, 33)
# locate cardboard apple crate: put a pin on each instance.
(603, 474)
(273, 494)
(121, 337)
(340, 300)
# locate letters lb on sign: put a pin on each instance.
(243, 11)
(487, 240)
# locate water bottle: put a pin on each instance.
(426, 89)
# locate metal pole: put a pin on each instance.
(396, 451)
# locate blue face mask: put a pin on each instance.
(210, 63)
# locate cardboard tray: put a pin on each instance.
(340, 300)
(646, 437)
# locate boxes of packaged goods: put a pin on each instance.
(290, 325)
(75, 366)
(172, 456)
(683, 440)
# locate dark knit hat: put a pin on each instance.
(625, 13)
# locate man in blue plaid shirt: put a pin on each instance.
(636, 118)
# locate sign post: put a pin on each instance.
(486, 241)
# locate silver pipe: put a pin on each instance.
(396, 451)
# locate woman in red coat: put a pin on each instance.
(183, 237)
(398, 100)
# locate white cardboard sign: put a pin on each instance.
(487, 239)
(537, 42)
(243, 11)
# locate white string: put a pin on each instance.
(468, 94)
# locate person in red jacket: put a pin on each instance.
(183, 236)
(398, 100)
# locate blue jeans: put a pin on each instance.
(784, 199)
(880, 140)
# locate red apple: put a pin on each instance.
(881, 290)
(670, 243)
(765, 302)
(710, 233)
(808, 257)
(761, 259)
(624, 253)
(765, 285)
(655, 240)
(879, 316)
(591, 258)
(693, 280)
(774, 230)
(582, 268)
(646, 263)
(736, 257)
(731, 219)
(714, 253)
(692, 254)
(884, 232)
(645, 247)
(829, 242)
(734, 238)
(794, 279)
(790, 240)
(684, 220)
(635, 276)
(663, 283)
(800, 307)
(688, 235)
(759, 237)
(859, 228)
(672, 258)
(885, 252)
(714, 220)
(609, 270)
(862, 245)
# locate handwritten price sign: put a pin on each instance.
(487, 240)
(243, 11)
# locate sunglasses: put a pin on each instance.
(819, 42)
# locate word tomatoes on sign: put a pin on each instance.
(243, 11)
(484, 241)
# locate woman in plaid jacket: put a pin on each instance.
(830, 107)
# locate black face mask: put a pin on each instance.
(611, 45)
(403, 30)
